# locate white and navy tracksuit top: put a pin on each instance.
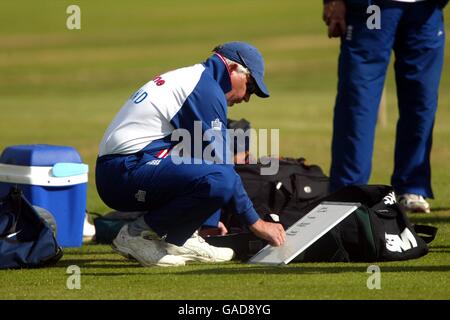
(134, 170)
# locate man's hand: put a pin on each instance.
(221, 230)
(272, 232)
(334, 17)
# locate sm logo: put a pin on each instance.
(402, 242)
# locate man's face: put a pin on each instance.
(242, 87)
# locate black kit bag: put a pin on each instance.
(26, 239)
(294, 187)
(379, 230)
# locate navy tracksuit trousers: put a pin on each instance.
(178, 198)
(415, 32)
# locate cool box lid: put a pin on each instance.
(39, 155)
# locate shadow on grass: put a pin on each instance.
(97, 263)
(440, 209)
(439, 249)
(81, 253)
(305, 269)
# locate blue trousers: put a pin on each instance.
(178, 198)
(415, 32)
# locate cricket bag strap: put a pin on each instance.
(427, 233)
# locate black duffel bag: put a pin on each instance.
(295, 186)
(379, 230)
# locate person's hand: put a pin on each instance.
(272, 232)
(221, 230)
(334, 17)
(241, 157)
(244, 158)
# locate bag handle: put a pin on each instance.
(278, 206)
(427, 233)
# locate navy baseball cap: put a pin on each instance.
(249, 57)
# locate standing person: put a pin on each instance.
(414, 30)
(137, 170)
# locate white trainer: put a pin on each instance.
(148, 249)
(414, 203)
(197, 249)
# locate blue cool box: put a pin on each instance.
(51, 177)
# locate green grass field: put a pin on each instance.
(61, 86)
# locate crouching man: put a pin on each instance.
(138, 169)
